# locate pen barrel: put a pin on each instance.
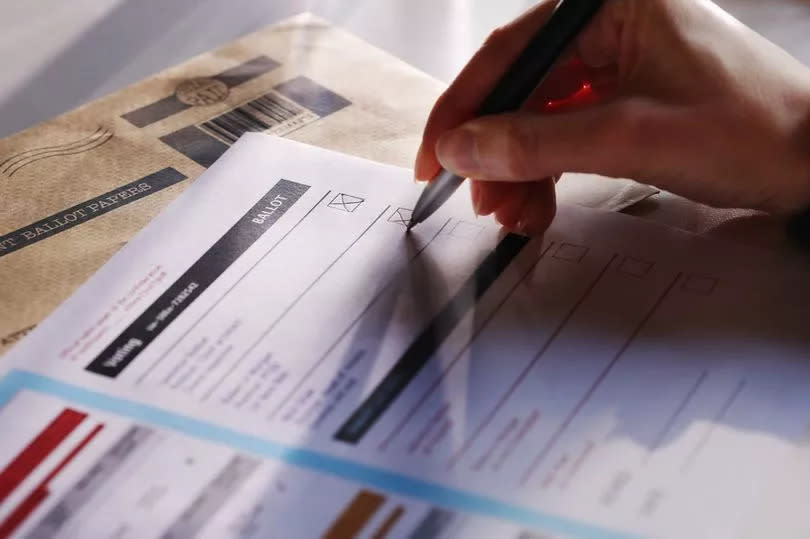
(539, 56)
(435, 194)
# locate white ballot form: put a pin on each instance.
(273, 356)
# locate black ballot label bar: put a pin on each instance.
(183, 292)
(89, 209)
(425, 345)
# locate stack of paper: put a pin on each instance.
(282, 359)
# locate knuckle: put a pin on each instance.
(440, 108)
(444, 115)
(497, 38)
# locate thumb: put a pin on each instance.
(628, 139)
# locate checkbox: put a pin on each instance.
(570, 252)
(635, 266)
(465, 230)
(699, 284)
(344, 202)
(401, 216)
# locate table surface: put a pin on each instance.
(67, 53)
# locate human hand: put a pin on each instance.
(683, 97)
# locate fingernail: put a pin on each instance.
(510, 226)
(418, 168)
(457, 152)
(532, 226)
(475, 195)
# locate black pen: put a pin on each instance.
(517, 84)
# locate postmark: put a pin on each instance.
(201, 91)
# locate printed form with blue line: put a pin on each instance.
(284, 360)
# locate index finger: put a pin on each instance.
(461, 100)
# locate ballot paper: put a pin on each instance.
(75, 189)
(275, 355)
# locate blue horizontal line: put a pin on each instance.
(432, 493)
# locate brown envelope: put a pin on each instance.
(78, 187)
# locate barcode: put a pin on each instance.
(260, 114)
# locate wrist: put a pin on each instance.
(798, 225)
(798, 199)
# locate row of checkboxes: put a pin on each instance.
(636, 267)
(569, 252)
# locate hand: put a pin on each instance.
(684, 97)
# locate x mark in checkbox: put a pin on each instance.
(401, 216)
(344, 202)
